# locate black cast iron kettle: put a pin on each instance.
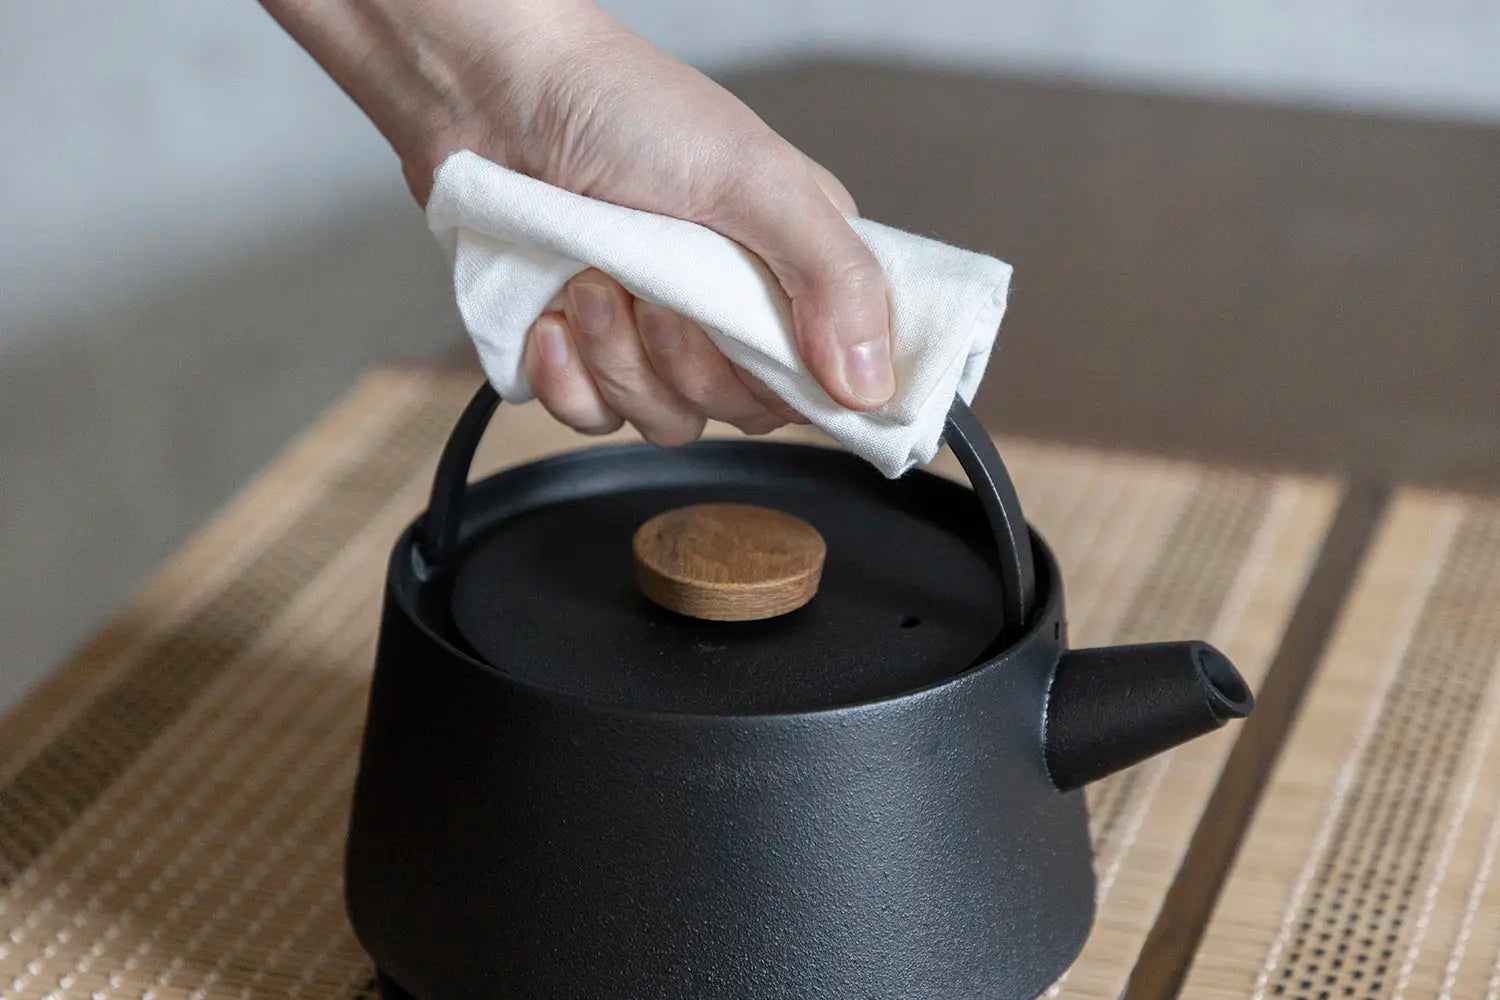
(568, 793)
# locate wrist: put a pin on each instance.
(434, 76)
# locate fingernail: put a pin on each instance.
(661, 327)
(867, 371)
(591, 307)
(552, 343)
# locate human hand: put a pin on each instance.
(559, 90)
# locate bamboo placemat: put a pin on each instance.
(1369, 869)
(172, 801)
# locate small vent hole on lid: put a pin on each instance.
(910, 621)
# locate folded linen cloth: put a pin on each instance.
(514, 241)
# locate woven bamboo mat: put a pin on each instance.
(172, 801)
(1369, 869)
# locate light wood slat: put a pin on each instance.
(1369, 870)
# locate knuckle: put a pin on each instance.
(673, 434)
(550, 388)
(762, 165)
(598, 428)
(773, 154)
(572, 411)
(778, 409)
(568, 412)
(859, 277)
(700, 386)
(759, 425)
(620, 378)
(573, 403)
(594, 276)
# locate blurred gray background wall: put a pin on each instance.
(204, 241)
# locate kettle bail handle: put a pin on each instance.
(438, 529)
(975, 450)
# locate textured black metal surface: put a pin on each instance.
(511, 842)
(389, 988)
(440, 531)
(1113, 707)
(975, 450)
(550, 597)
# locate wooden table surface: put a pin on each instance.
(172, 802)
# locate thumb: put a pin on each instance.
(840, 309)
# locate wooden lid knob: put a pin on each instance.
(728, 562)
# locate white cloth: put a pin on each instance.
(514, 241)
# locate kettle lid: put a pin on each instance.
(909, 594)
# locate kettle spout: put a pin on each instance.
(1113, 707)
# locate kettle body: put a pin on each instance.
(512, 837)
(511, 843)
